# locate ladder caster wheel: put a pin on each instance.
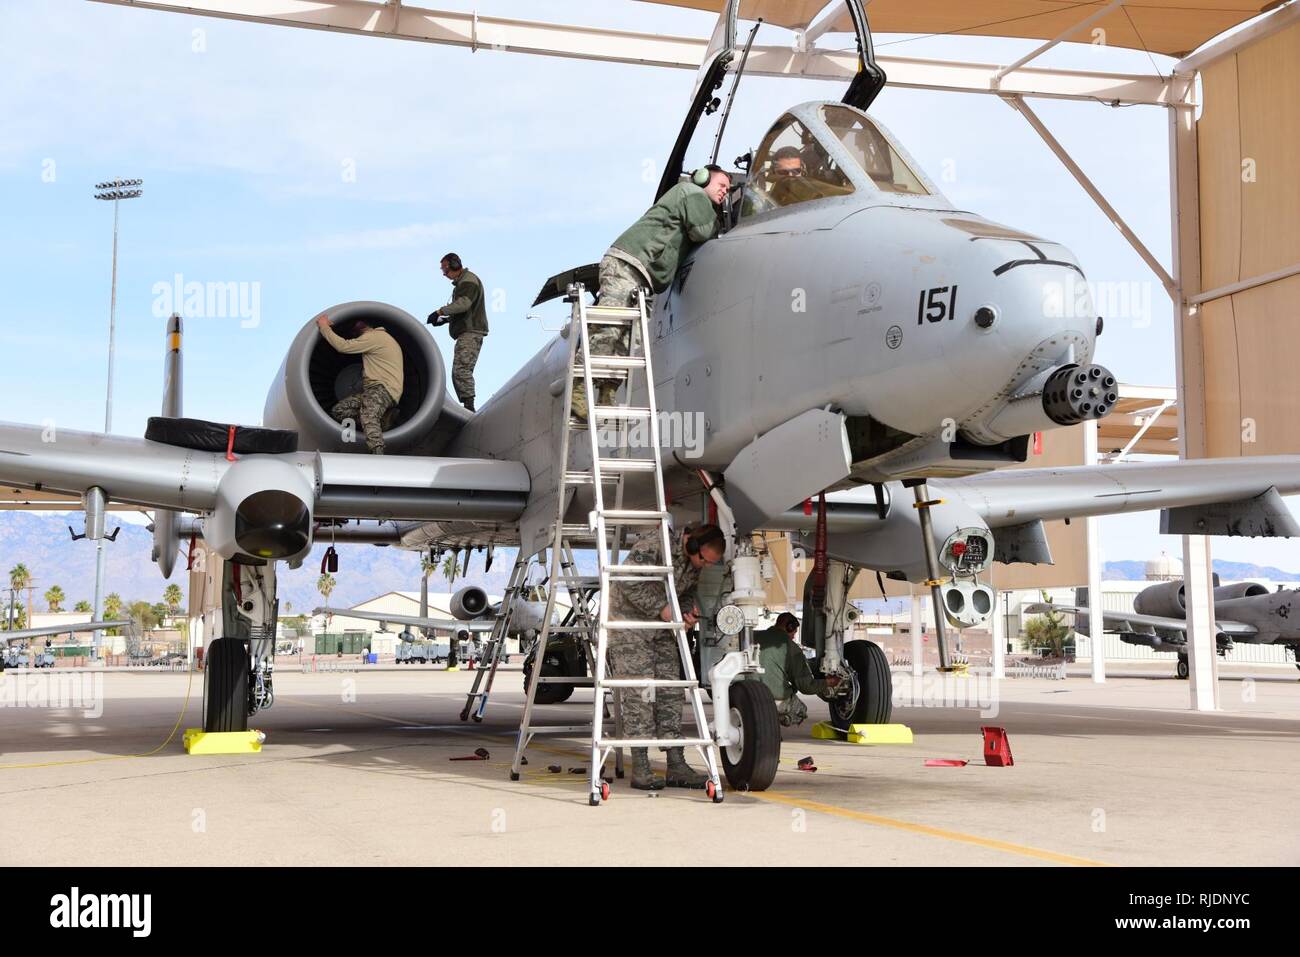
(714, 792)
(514, 775)
(604, 790)
(478, 718)
(464, 715)
(593, 799)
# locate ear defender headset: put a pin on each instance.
(702, 176)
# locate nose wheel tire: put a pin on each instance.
(750, 764)
(874, 703)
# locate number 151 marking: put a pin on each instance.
(933, 306)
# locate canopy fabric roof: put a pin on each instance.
(1171, 27)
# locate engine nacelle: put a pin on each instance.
(263, 511)
(1239, 590)
(315, 376)
(469, 603)
(1165, 600)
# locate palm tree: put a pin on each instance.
(451, 568)
(325, 584)
(83, 607)
(19, 578)
(172, 598)
(112, 606)
(54, 598)
(20, 615)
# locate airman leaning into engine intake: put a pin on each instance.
(785, 670)
(381, 370)
(468, 318)
(647, 255)
(657, 712)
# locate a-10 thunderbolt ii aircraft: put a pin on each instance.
(48, 631)
(851, 333)
(1245, 612)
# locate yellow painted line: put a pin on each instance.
(995, 845)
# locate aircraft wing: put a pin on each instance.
(413, 621)
(231, 489)
(1128, 621)
(1017, 496)
(46, 630)
(346, 484)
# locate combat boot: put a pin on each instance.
(643, 776)
(681, 774)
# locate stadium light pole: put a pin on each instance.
(113, 191)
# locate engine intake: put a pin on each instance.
(314, 376)
(469, 603)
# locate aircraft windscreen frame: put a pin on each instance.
(873, 150)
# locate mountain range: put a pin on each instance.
(40, 540)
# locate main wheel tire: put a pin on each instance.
(751, 764)
(875, 702)
(225, 686)
(546, 693)
(1182, 670)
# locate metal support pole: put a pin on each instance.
(112, 328)
(922, 492)
(918, 646)
(1096, 621)
(999, 635)
(1202, 651)
(116, 190)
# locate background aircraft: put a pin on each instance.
(1244, 612)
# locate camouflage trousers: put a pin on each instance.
(366, 408)
(791, 711)
(648, 712)
(619, 281)
(463, 361)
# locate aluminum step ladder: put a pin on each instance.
(477, 699)
(604, 531)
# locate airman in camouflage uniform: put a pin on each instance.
(647, 255)
(382, 377)
(467, 316)
(657, 712)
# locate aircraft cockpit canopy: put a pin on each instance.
(873, 151)
(793, 166)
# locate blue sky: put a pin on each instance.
(324, 168)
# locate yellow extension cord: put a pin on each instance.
(189, 685)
